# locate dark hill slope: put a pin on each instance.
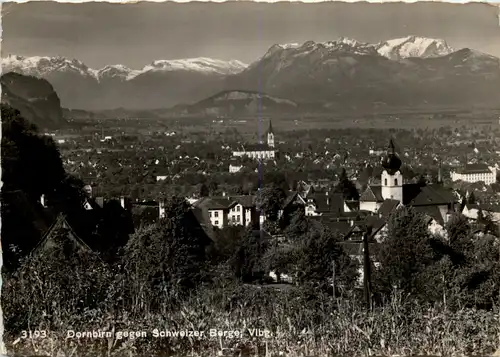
(35, 98)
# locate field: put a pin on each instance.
(250, 125)
(330, 328)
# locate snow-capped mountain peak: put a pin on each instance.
(201, 64)
(414, 46)
(287, 46)
(116, 70)
(349, 45)
(43, 66)
(411, 46)
(342, 44)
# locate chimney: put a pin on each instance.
(161, 208)
(440, 178)
(100, 201)
(42, 200)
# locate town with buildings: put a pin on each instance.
(383, 184)
(188, 180)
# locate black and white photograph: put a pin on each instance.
(250, 178)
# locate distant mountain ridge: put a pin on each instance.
(411, 70)
(41, 66)
(398, 48)
(347, 74)
(237, 102)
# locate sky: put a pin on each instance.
(134, 35)
(305, 1)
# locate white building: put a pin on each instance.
(217, 217)
(234, 168)
(225, 210)
(260, 151)
(476, 173)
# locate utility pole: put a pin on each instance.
(444, 291)
(367, 269)
(3, 351)
(333, 280)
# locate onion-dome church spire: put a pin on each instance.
(391, 162)
(392, 179)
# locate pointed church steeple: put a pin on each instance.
(391, 147)
(270, 129)
(391, 162)
(270, 135)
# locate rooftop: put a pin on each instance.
(255, 147)
(224, 202)
(475, 169)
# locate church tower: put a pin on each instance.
(270, 135)
(392, 179)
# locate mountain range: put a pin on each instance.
(340, 74)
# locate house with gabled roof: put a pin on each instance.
(376, 226)
(292, 201)
(318, 203)
(474, 211)
(145, 213)
(49, 238)
(435, 200)
(371, 199)
(351, 206)
(224, 210)
(388, 206)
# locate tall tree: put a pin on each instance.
(471, 198)
(114, 227)
(346, 187)
(30, 162)
(31, 166)
(171, 253)
(276, 179)
(213, 187)
(245, 258)
(204, 190)
(317, 253)
(299, 226)
(406, 251)
(270, 200)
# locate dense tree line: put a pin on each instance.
(32, 167)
